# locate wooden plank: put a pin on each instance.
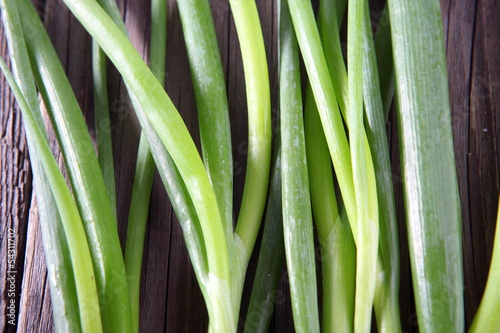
(460, 29)
(484, 135)
(35, 308)
(171, 300)
(15, 199)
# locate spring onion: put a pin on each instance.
(297, 216)
(387, 294)
(57, 253)
(144, 170)
(84, 173)
(88, 303)
(338, 252)
(428, 165)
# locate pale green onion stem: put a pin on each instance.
(253, 53)
(378, 141)
(338, 252)
(215, 133)
(172, 180)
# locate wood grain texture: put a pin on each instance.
(170, 298)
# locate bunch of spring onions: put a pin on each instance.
(330, 167)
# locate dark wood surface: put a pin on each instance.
(171, 300)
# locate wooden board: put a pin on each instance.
(171, 300)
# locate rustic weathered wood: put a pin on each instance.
(459, 27)
(15, 198)
(35, 313)
(171, 300)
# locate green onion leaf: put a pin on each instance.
(85, 174)
(57, 253)
(173, 133)
(428, 164)
(363, 173)
(253, 53)
(297, 216)
(103, 123)
(211, 99)
(387, 294)
(383, 49)
(86, 289)
(317, 70)
(145, 167)
(338, 251)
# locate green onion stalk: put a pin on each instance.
(61, 278)
(310, 45)
(144, 169)
(297, 215)
(383, 49)
(103, 123)
(84, 173)
(259, 122)
(338, 251)
(358, 189)
(171, 130)
(176, 189)
(86, 289)
(387, 290)
(428, 164)
(363, 173)
(253, 202)
(213, 115)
